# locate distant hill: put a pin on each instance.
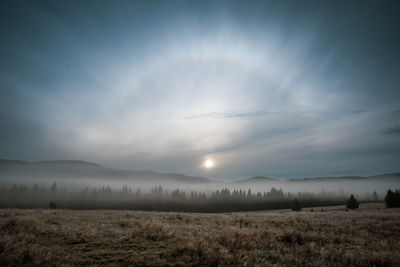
(75, 172)
(343, 184)
(263, 179)
(346, 178)
(258, 179)
(67, 170)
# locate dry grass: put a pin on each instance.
(366, 237)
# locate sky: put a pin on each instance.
(274, 88)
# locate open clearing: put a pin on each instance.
(365, 237)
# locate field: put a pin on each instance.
(332, 236)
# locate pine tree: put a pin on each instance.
(53, 188)
(352, 203)
(375, 196)
(392, 199)
(296, 205)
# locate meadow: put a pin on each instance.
(369, 236)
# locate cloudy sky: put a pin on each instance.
(274, 88)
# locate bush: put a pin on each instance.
(352, 203)
(392, 199)
(52, 205)
(296, 205)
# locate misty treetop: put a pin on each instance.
(159, 199)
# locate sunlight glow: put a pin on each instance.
(209, 164)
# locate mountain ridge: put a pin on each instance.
(80, 168)
(75, 169)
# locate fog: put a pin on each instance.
(79, 184)
(77, 175)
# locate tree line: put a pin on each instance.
(159, 199)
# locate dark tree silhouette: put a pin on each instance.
(53, 188)
(375, 196)
(296, 205)
(52, 204)
(392, 199)
(352, 203)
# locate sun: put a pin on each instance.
(208, 163)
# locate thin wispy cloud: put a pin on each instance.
(263, 87)
(293, 112)
(391, 130)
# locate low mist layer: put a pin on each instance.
(83, 185)
(77, 175)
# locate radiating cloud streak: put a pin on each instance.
(267, 113)
(263, 88)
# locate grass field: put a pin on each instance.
(365, 237)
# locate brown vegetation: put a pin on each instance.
(364, 237)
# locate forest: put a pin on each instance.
(159, 199)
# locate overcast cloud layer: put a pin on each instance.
(274, 88)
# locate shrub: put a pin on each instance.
(292, 238)
(20, 225)
(296, 205)
(156, 231)
(52, 205)
(352, 203)
(392, 199)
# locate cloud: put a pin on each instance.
(232, 114)
(260, 89)
(391, 130)
(260, 113)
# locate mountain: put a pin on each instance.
(258, 179)
(395, 176)
(77, 173)
(13, 171)
(263, 179)
(343, 184)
